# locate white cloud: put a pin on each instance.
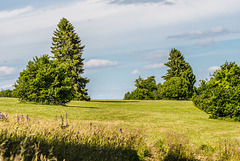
(153, 66)
(4, 70)
(140, 1)
(206, 42)
(129, 18)
(135, 72)
(158, 55)
(12, 13)
(215, 31)
(98, 63)
(218, 29)
(213, 68)
(9, 86)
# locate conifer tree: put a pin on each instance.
(67, 48)
(180, 68)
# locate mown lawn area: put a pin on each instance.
(153, 118)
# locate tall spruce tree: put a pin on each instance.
(67, 48)
(178, 67)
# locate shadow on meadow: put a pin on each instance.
(32, 148)
(26, 139)
(73, 106)
(113, 101)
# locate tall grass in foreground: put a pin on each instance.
(27, 139)
(176, 146)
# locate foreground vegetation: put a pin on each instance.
(119, 130)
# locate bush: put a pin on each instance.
(145, 89)
(175, 88)
(220, 96)
(6, 93)
(45, 81)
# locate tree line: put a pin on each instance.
(178, 85)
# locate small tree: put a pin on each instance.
(145, 89)
(44, 81)
(67, 48)
(178, 67)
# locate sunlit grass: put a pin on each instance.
(154, 119)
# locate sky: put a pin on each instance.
(123, 39)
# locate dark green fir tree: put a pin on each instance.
(67, 48)
(178, 67)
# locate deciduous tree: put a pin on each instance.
(44, 81)
(220, 96)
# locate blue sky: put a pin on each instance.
(124, 39)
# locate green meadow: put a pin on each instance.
(154, 120)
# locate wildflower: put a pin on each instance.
(28, 119)
(67, 125)
(121, 130)
(18, 118)
(56, 117)
(90, 124)
(62, 119)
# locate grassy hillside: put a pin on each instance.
(154, 119)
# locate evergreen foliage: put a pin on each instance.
(44, 81)
(220, 96)
(67, 49)
(178, 67)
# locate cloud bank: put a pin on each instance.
(100, 63)
(135, 72)
(213, 68)
(153, 66)
(4, 71)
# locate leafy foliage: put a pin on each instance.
(6, 93)
(144, 91)
(66, 47)
(45, 81)
(175, 88)
(220, 96)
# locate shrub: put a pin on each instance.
(220, 96)
(175, 88)
(6, 93)
(44, 81)
(145, 89)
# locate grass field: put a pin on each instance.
(154, 119)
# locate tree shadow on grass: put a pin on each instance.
(35, 147)
(72, 106)
(113, 101)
